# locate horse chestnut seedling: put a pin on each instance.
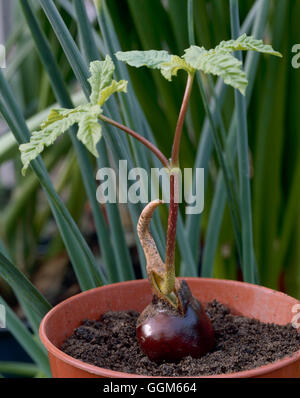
(167, 333)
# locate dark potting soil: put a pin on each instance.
(241, 344)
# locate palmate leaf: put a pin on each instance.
(218, 63)
(61, 119)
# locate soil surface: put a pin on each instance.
(241, 344)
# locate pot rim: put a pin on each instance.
(259, 371)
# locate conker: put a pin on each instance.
(167, 333)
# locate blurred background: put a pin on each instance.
(29, 234)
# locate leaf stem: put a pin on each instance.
(179, 126)
(140, 138)
(172, 224)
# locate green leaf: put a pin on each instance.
(169, 65)
(220, 64)
(171, 68)
(58, 122)
(61, 119)
(115, 87)
(29, 343)
(25, 289)
(101, 77)
(56, 115)
(152, 58)
(246, 43)
(90, 132)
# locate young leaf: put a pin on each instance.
(168, 64)
(59, 120)
(152, 58)
(90, 132)
(101, 77)
(45, 137)
(61, 113)
(218, 63)
(114, 87)
(171, 68)
(246, 43)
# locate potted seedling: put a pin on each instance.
(172, 324)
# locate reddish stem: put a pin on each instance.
(174, 185)
(172, 223)
(179, 126)
(140, 138)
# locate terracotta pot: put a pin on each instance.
(242, 298)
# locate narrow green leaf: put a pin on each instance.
(219, 200)
(25, 289)
(83, 261)
(204, 149)
(137, 120)
(243, 158)
(19, 368)
(26, 339)
(62, 96)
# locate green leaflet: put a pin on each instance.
(115, 87)
(101, 77)
(90, 132)
(60, 119)
(41, 139)
(168, 64)
(220, 64)
(169, 69)
(152, 58)
(244, 43)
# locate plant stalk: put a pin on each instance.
(140, 138)
(174, 190)
(179, 126)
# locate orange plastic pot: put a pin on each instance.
(242, 298)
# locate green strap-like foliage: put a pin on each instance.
(86, 116)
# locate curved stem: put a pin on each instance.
(179, 126)
(140, 138)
